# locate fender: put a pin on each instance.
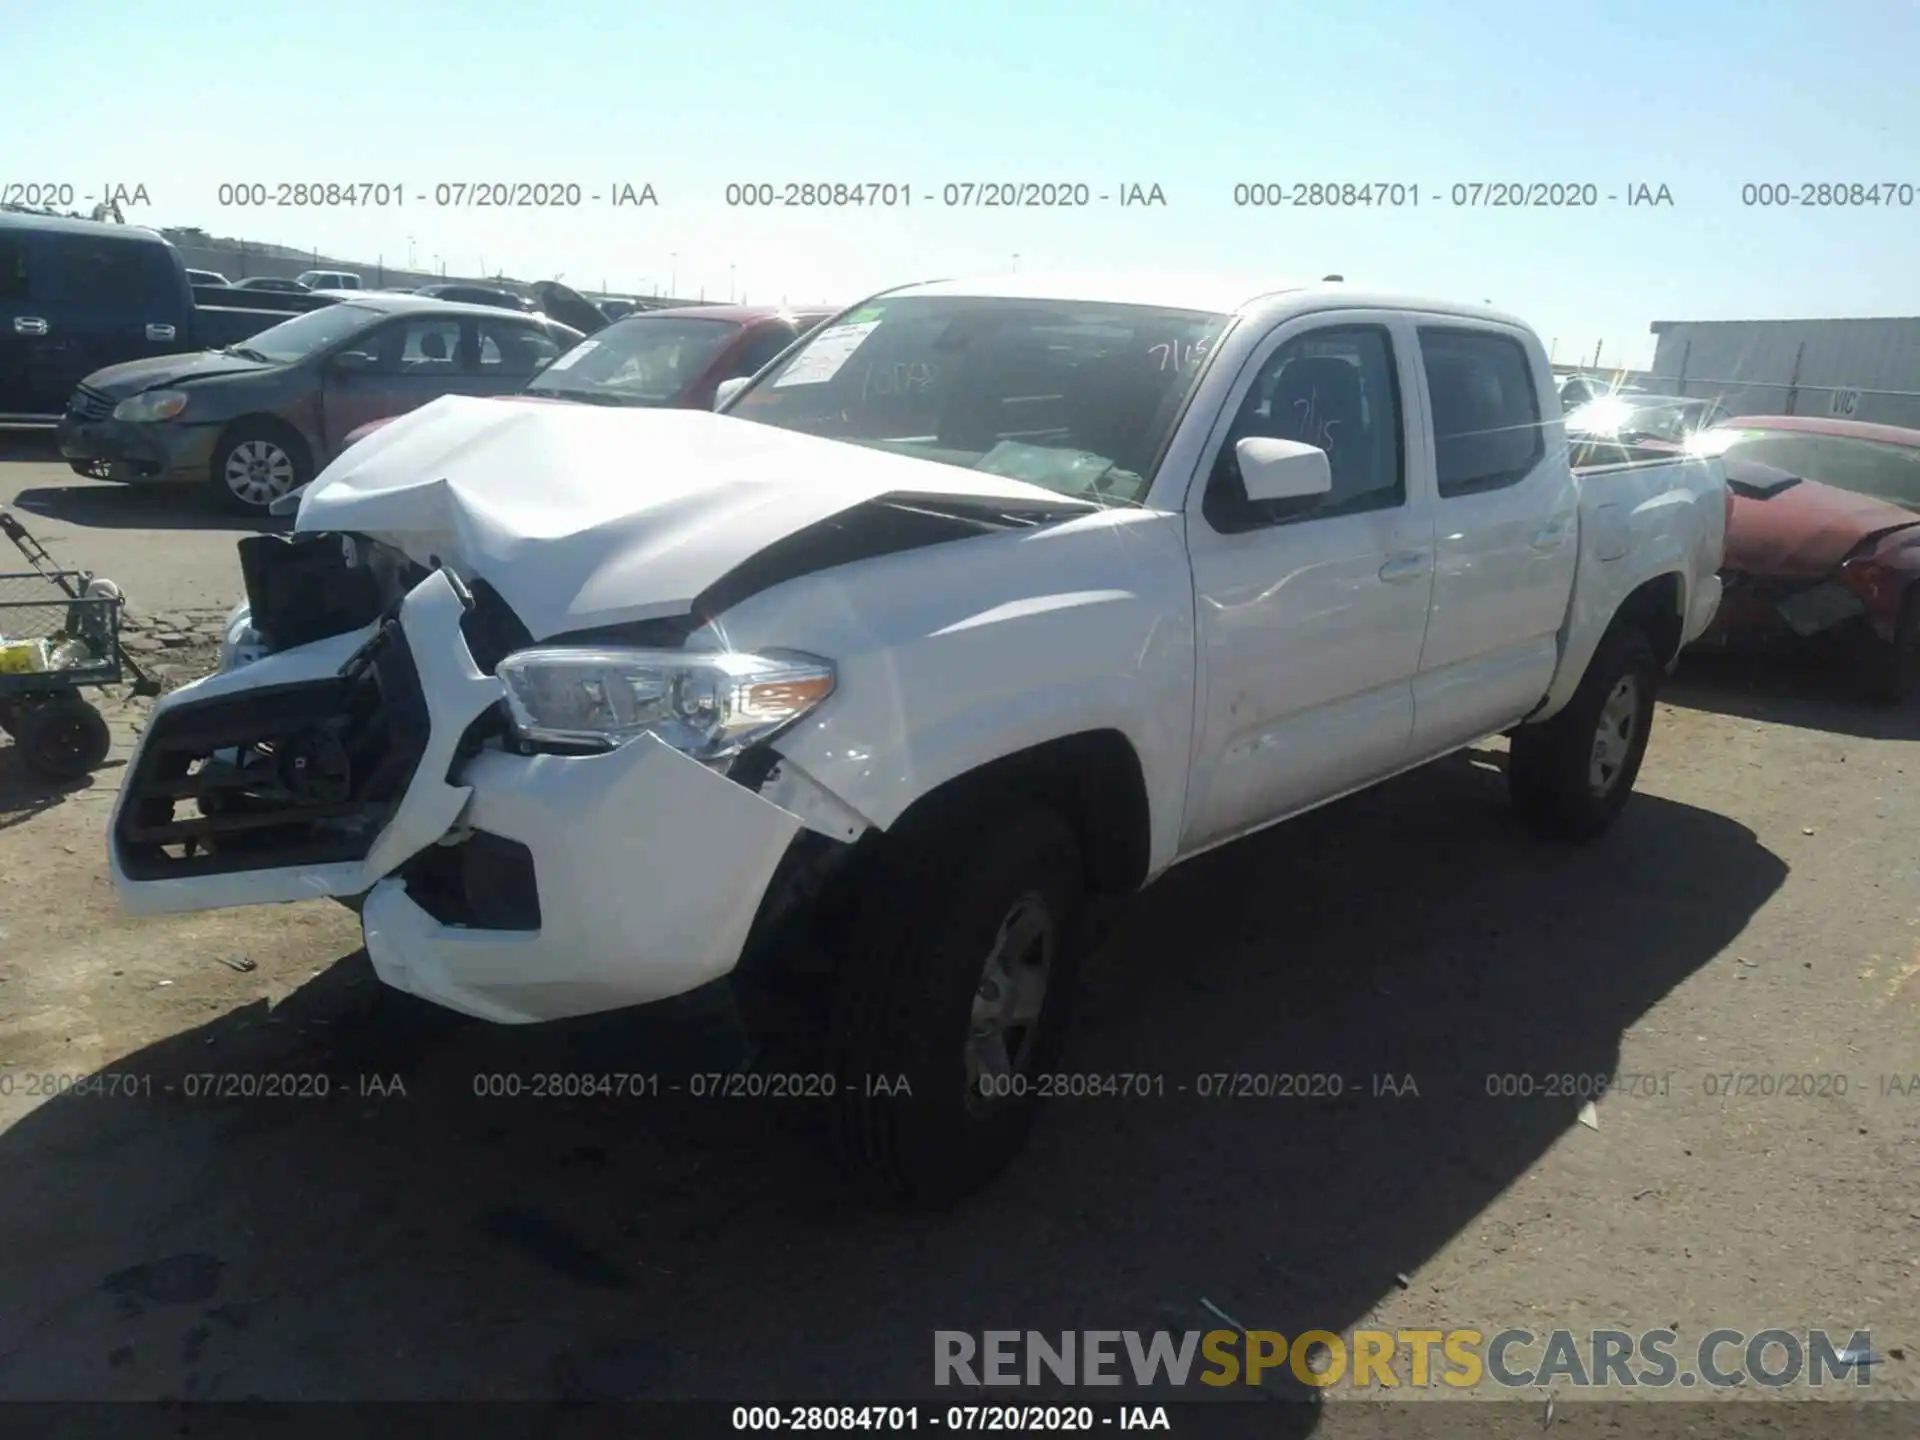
(955, 656)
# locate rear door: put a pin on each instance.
(1506, 532)
(498, 357)
(118, 300)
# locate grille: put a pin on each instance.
(300, 774)
(88, 404)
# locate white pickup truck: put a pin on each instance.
(983, 605)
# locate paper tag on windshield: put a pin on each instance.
(822, 359)
(575, 355)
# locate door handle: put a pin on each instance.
(1407, 565)
(160, 332)
(29, 325)
(1549, 537)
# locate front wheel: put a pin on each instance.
(1569, 776)
(952, 998)
(254, 465)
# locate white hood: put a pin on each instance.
(582, 515)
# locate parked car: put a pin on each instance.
(985, 605)
(671, 358)
(329, 280)
(257, 420)
(278, 284)
(78, 295)
(615, 309)
(1823, 541)
(477, 295)
(206, 277)
(1630, 416)
(1579, 390)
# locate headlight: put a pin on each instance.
(153, 405)
(708, 705)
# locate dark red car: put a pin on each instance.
(1823, 539)
(667, 358)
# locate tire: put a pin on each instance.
(1889, 668)
(255, 463)
(1560, 781)
(924, 964)
(62, 739)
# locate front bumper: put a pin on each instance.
(139, 453)
(649, 867)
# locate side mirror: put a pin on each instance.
(727, 389)
(351, 360)
(1282, 469)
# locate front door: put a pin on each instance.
(1310, 612)
(397, 367)
(28, 383)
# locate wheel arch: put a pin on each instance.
(1657, 606)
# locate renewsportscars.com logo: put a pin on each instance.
(1391, 1359)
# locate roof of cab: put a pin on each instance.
(1217, 294)
(64, 225)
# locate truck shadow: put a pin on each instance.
(413, 1235)
(136, 507)
(1810, 689)
(25, 793)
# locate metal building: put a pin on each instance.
(1857, 369)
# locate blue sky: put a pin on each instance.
(1699, 95)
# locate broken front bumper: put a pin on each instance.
(510, 887)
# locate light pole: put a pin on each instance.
(673, 276)
(729, 284)
(409, 252)
(1016, 262)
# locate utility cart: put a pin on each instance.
(59, 635)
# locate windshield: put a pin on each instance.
(1074, 396)
(308, 334)
(644, 360)
(1866, 467)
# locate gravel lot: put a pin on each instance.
(1756, 910)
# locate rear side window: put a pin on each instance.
(1486, 415)
(13, 267)
(508, 349)
(107, 272)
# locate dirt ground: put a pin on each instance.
(1757, 909)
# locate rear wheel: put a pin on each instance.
(255, 464)
(1890, 668)
(952, 998)
(63, 738)
(1569, 776)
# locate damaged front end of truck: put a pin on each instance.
(483, 694)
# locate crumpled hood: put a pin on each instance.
(1805, 530)
(133, 376)
(582, 516)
